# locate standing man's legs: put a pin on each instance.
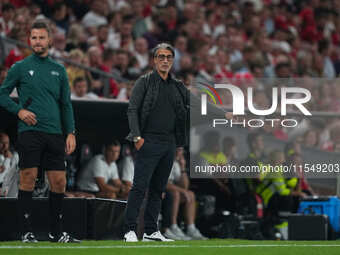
(53, 162)
(30, 146)
(26, 187)
(147, 159)
(57, 181)
(157, 186)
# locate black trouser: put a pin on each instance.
(152, 169)
(167, 204)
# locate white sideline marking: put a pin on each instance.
(167, 246)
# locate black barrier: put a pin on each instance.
(83, 218)
(105, 219)
(96, 121)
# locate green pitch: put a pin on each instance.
(234, 247)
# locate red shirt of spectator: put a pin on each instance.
(114, 90)
(13, 56)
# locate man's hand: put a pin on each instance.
(28, 117)
(70, 144)
(139, 144)
(2, 168)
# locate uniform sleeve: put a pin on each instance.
(66, 105)
(11, 81)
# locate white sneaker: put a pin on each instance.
(179, 233)
(130, 237)
(155, 236)
(168, 234)
(195, 234)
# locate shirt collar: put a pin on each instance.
(38, 57)
(159, 78)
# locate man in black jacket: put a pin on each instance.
(157, 118)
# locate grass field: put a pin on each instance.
(234, 247)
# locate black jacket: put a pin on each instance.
(143, 99)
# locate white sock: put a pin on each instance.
(191, 226)
(173, 226)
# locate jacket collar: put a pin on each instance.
(159, 78)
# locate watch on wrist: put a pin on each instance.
(136, 139)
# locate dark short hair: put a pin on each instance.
(112, 143)
(77, 80)
(41, 24)
(164, 46)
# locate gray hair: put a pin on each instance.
(164, 46)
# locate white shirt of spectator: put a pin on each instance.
(97, 167)
(175, 174)
(92, 19)
(89, 95)
(143, 60)
(10, 176)
(127, 169)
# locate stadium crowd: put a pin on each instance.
(249, 43)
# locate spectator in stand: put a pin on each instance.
(178, 186)
(334, 142)
(126, 171)
(96, 16)
(20, 23)
(223, 73)
(109, 59)
(122, 66)
(100, 176)
(208, 72)
(114, 22)
(59, 45)
(310, 138)
(76, 38)
(324, 49)
(142, 52)
(102, 36)
(76, 56)
(140, 26)
(96, 61)
(185, 64)
(181, 45)
(126, 39)
(80, 89)
(60, 16)
(20, 51)
(125, 91)
(9, 169)
(3, 74)
(6, 19)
